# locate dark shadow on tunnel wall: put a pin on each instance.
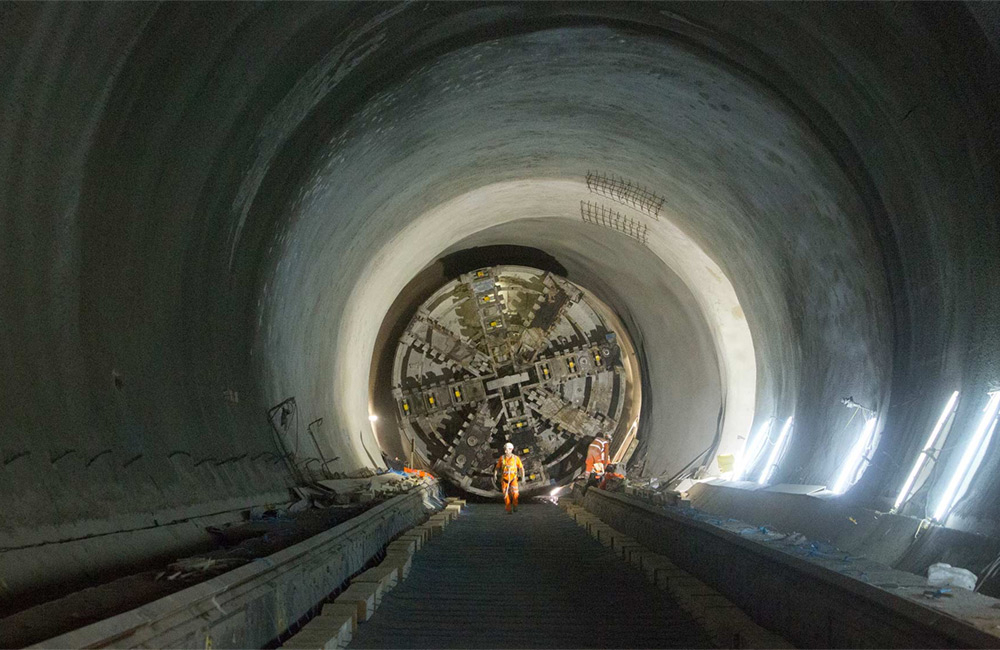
(470, 259)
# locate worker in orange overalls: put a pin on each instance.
(509, 467)
(612, 479)
(598, 457)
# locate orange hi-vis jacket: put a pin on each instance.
(598, 453)
(509, 467)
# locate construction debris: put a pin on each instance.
(945, 575)
(197, 567)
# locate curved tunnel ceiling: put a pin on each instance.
(210, 209)
(680, 355)
(507, 130)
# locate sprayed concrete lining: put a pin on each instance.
(196, 197)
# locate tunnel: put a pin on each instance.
(219, 221)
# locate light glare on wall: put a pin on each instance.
(772, 460)
(852, 466)
(949, 408)
(963, 474)
(750, 454)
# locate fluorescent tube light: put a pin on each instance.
(962, 476)
(772, 460)
(749, 457)
(855, 457)
(949, 408)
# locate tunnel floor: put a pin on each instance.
(533, 579)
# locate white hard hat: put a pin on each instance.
(509, 446)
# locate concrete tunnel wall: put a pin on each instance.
(517, 208)
(656, 306)
(192, 194)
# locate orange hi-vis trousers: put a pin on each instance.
(509, 493)
(509, 466)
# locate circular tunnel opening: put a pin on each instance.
(677, 307)
(512, 354)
